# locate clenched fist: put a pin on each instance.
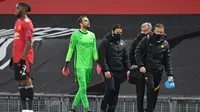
(143, 70)
(107, 75)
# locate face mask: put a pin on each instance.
(117, 36)
(157, 36)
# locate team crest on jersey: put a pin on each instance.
(90, 37)
(19, 28)
(16, 34)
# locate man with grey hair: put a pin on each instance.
(152, 56)
(135, 77)
(146, 27)
(145, 30)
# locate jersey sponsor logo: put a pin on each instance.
(7, 36)
(90, 44)
(16, 35)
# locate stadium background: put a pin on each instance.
(181, 20)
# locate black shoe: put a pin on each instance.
(72, 110)
(145, 110)
(111, 110)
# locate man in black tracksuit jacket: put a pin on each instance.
(114, 60)
(135, 76)
(152, 55)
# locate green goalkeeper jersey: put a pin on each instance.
(84, 45)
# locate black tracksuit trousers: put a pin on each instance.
(112, 87)
(152, 82)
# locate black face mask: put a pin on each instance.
(157, 36)
(117, 36)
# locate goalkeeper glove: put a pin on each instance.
(66, 70)
(99, 69)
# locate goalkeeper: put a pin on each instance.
(83, 42)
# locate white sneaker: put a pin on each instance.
(30, 111)
(25, 111)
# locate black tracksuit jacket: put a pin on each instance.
(157, 54)
(134, 46)
(113, 55)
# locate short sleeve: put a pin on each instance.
(28, 29)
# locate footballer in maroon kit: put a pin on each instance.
(22, 56)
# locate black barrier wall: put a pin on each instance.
(52, 33)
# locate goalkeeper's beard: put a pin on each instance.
(86, 27)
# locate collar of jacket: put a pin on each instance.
(140, 36)
(111, 38)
